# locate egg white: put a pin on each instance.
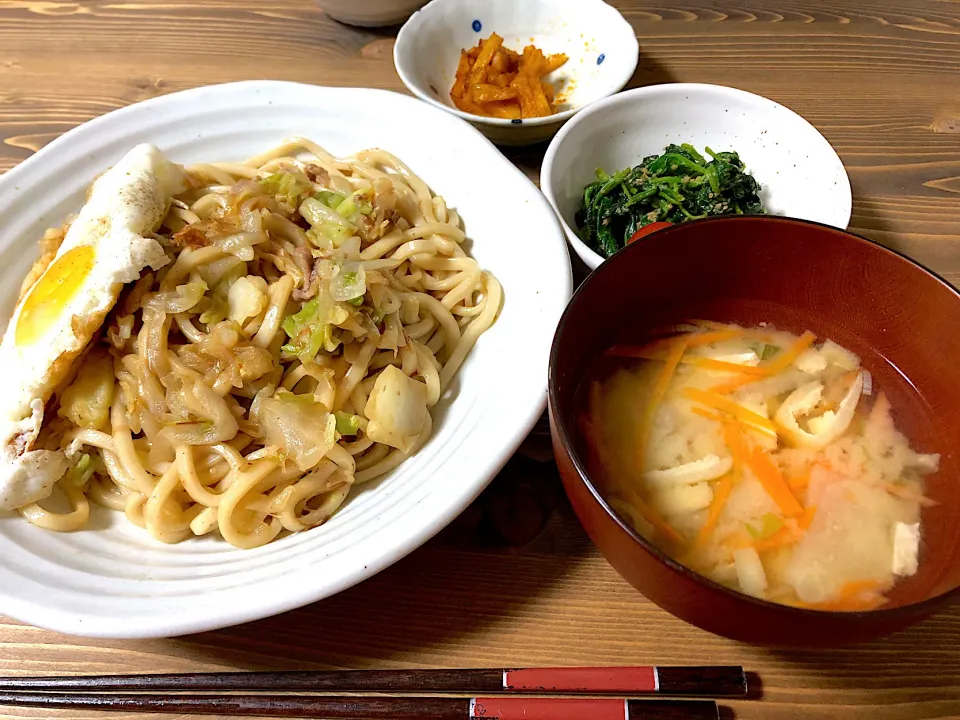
(125, 205)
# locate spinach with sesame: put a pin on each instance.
(679, 185)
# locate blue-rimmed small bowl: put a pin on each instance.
(601, 46)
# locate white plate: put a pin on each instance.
(113, 580)
(800, 173)
(601, 46)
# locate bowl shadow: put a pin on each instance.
(649, 72)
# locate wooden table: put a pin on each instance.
(515, 581)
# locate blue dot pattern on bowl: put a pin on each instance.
(477, 26)
(517, 121)
(601, 58)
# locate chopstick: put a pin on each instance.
(705, 681)
(371, 708)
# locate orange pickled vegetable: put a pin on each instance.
(494, 81)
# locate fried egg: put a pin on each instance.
(106, 246)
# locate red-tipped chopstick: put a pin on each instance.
(707, 681)
(396, 708)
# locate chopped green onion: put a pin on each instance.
(357, 301)
(768, 351)
(81, 472)
(347, 424)
(770, 524)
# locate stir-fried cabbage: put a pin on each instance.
(287, 186)
(396, 409)
(350, 283)
(311, 329)
(298, 425)
(247, 298)
(87, 401)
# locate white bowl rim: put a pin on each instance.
(88, 626)
(592, 258)
(406, 34)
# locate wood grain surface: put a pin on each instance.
(514, 581)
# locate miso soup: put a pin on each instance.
(763, 460)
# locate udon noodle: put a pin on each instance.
(315, 308)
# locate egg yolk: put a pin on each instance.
(53, 291)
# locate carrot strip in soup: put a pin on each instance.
(728, 406)
(705, 338)
(705, 414)
(901, 491)
(656, 396)
(721, 494)
(853, 597)
(784, 359)
(807, 517)
(658, 350)
(775, 365)
(650, 514)
(711, 364)
(769, 475)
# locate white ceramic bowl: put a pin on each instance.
(370, 13)
(113, 580)
(601, 45)
(801, 174)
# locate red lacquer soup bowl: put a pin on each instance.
(902, 320)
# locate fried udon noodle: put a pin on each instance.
(313, 310)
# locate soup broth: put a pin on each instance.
(766, 461)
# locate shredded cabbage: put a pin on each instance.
(337, 234)
(311, 329)
(216, 311)
(349, 283)
(247, 298)
(358, 202)
(300, 426)
(396, 409)
(287, 186)
(316, 213)
(329, 198)
(86, 402)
